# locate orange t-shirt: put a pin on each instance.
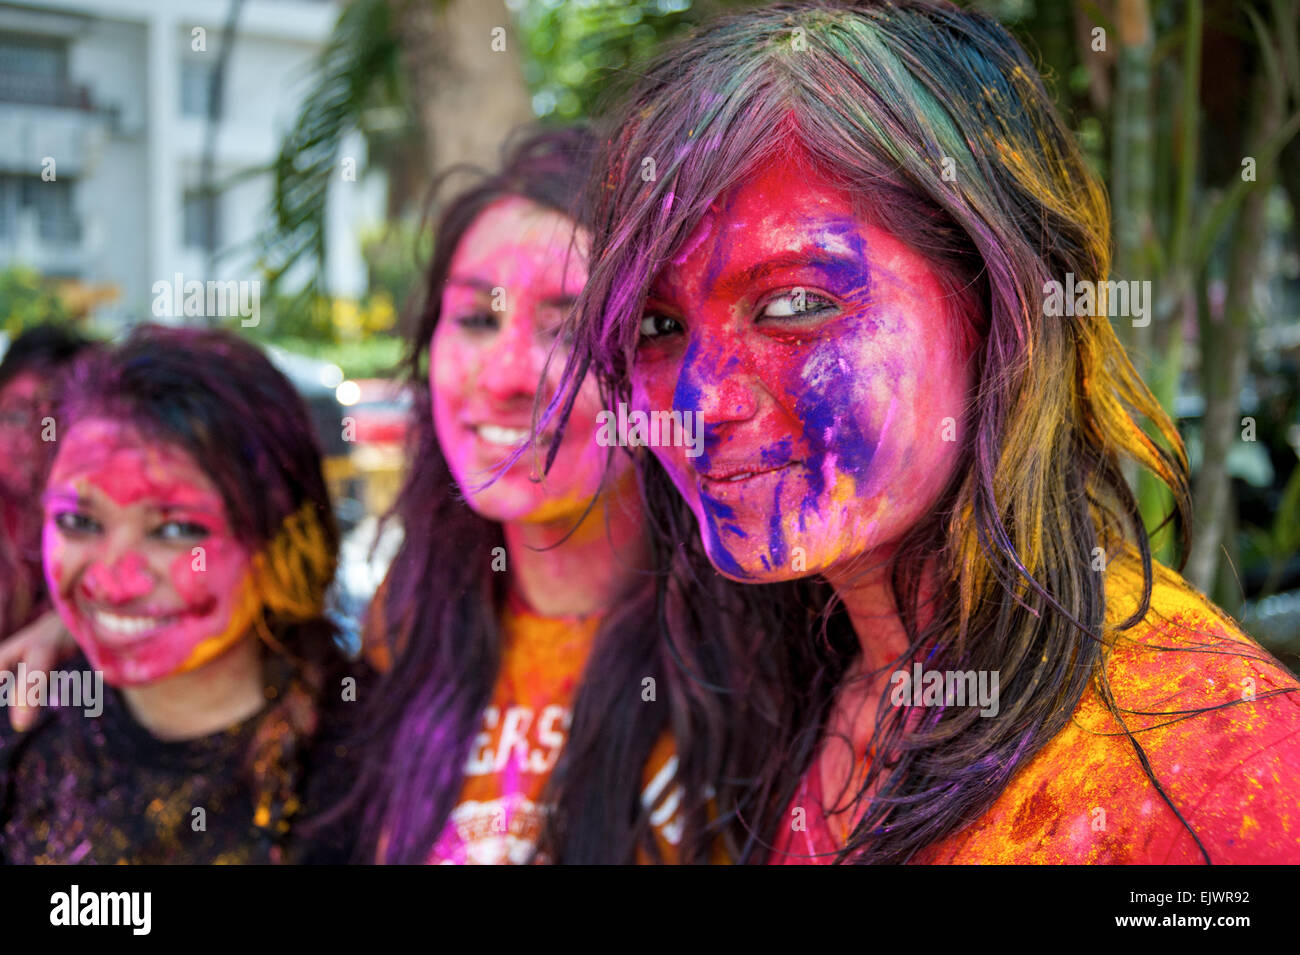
(1233, 772)
(500, 814)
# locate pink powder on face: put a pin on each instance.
(823, 357)
(142, 565)
(510, 284)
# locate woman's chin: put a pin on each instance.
(125, 674)
(506, 505)
(748, 568)
(134, 666)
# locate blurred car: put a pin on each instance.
(377, 414)
(380, 410)
(318, 382)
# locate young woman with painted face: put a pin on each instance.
(518, 623)
(28, 375)
(188, 543)
(842, 263)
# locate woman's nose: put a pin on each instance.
(714, 383)
(512, 364)
(119, 580)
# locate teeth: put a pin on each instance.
(738, 477)
(128, 626)
(495, 434)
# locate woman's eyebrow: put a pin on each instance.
(470, 281)
(733, 283)
(65, 497)
(168, 507)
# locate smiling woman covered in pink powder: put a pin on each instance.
(831, 240)
(188, 545)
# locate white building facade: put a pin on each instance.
(103, 131)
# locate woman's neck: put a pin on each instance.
(587, 572)
(865, 590)
(868, 598)
(225, 691)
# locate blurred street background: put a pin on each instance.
(147, 144)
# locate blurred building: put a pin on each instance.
(104, 128)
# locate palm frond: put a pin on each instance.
(359, 69)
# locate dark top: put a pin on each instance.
(104, 790)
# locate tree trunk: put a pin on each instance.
(465, 79)
(1223, 354)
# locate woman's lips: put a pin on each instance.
(720, 480)
(503, 436)
(119, 629)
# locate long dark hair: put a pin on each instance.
(221, 400)
(439, 609)
(881, 93)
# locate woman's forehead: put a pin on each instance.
(117, 459)
(782, 207)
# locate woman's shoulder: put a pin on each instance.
(1184, 648)
(1183, 689)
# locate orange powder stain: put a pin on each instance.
(1231, 771)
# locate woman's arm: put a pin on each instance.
(39, 645)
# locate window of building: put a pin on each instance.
(34, 70)
(201, 225)
(50, 204)
(36, 57)
(197, 78)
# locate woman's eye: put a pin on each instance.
(477, 321)
(561, 331)
(655, 325)
(180, 530)
(74, 522)
(795, 303)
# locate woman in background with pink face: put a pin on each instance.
(29, 374)
(505, 589)
(512, 282)
(188, 546)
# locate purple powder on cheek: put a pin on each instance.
(831, 426)
(700, 373)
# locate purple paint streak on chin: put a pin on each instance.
(775, 536)
(722, 559)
